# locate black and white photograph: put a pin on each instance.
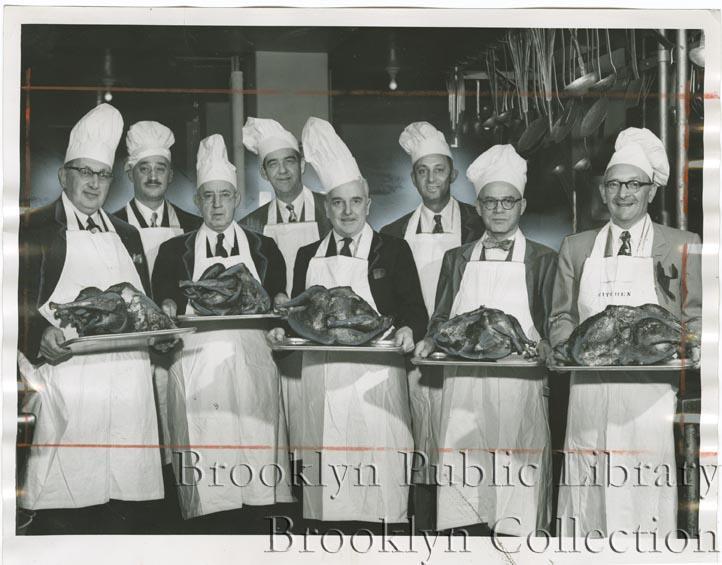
(380, 284)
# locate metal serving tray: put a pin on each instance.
(439, 358)
(124, 341)
(194, 318)
(300, 344)
(674, 365)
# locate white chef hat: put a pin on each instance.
(328, 154)
(641, 148)
(96, 135)
(420, 139)
(146, 139)
(263, 136)
(500, 163)
(212, 162)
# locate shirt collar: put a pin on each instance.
(635, 231)
(148, 212)
(513, 236)
(297, 207)
(229, 236)
(427, 217)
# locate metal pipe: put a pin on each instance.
(237, 126)
(663, 59)
(682, 132)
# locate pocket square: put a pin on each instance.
(378, 273)
(663, 279)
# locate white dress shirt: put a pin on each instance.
(354, 243)
(147, 212)
(297, 208)
(427, 218)
(497, 254)
(640, 240)
(229, 237)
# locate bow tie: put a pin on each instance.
(505, 244)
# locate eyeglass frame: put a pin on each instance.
(499, 201)
(102, 175)
(625, 183)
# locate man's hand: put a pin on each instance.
(280, 299)
(404, 338)
(50, 346)
(556, 358)
(424, 348)
(170, 308)
(545, 351)
(275, 336)
(165, 346)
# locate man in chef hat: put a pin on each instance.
(356, 400)
(150, 169)
(294, 218)
(628, 261)
(224, 388)
(438, 224)
(97, 399)
(499, 409)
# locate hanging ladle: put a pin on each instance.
(581, 84)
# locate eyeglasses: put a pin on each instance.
(506, 203)
(632, 185)
(87, 173)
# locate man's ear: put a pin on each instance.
(652, 193)
(522, 204)
(197, 200)
(130, 176)
(170, 175)
(62, 176)
(303, 165)
(454, 174)
(264, 176)
(477, 205)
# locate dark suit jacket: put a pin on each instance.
(43, 245)
(257, 219)
(176, 258)
(392, 277)
(540, 262)
(674, 252)
(188, 222)
(471, 226)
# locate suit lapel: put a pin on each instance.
(189, 257)
(660, 251)
(254, 244)
(375, 251)
(55, 260)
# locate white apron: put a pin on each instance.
(152, 238)
(224, 402)
(356, 415)
(290, 237)
(489, 409)
(629, 414)
(425, 382)
(104, 399)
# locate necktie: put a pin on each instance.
(504, 244)
(438, 228)
(92, 227)
(291, 213)
(346, 249)
(220, 250)
(154, 220)
(626, 247)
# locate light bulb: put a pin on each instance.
(108, 96)
(393, 85)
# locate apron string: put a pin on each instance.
(138, 216)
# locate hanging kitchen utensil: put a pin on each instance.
(506, 111)
(608, 81)
(559, 171)
(647, 81)
(478, 121)
(520, 51)
(586, 79)
(584, 162)
(490, 122)
(533, 135)
(633, 52)
(594, 117)
(544, 42)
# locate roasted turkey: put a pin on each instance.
(631, 335)
(119, 309)
(335, 316)
(483, 334)
(225, 292)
